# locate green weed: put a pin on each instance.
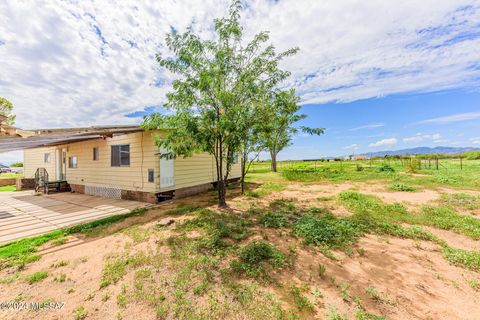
(274, 220)
(400, 186)
(253, 257)
(37, 277)
(80, 313)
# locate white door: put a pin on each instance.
(167, 177)
(58, 164)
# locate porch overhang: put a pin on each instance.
(52, 137)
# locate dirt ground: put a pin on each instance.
(397, 278)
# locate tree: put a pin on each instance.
(6, 108)
(219, 82)
(278, 127)
(17, 165)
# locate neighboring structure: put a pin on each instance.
(119, 162)
(355, 158)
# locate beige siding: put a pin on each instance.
(100, 172)
(34, 158)
(198, 169)
(191, 171)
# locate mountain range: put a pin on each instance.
(421, 150)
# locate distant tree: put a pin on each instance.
(472, 155)
(17, 165)
(6, 108)
(278, 127)
(219, 81)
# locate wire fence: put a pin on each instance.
(415, 163)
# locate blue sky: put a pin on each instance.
(368, 71)
(448, 118)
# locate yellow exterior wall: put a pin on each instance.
(34, 158)
(100, 173)
(188, 172)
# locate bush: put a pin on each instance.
(359, 167)
(400, 186)
(252, 259)
(413, 165)
(385, 168)
(274, 220)
(17, 165)
(327, 230)
(218, 227)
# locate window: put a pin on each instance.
(151, 177)
(72, 162)
(235, 158)
(46, 157)
(95, 153)
(120, 155)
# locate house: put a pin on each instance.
(120, 162)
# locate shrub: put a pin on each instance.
(385, 168)
(252, 259)
(274, 220)
(413, 165)
(219, 227)
(359, 167)
(327, 230)
(400, 186)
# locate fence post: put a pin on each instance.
(436, 163)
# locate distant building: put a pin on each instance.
(356, 158)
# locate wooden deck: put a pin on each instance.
(23, 214)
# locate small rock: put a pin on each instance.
(165, 222)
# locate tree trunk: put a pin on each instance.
(273, 155)
(222, 203)
(244, 168)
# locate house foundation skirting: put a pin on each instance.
(141, 196)
(115, 193)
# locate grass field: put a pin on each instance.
(10, 175)
(8, 188)
(326, 240)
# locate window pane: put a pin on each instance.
(115, 156)
(72, 162)
(95, 153)
(46, 157)
(151, 177)
(124, 158)
(125, 155)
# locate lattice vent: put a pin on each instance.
(105, 192)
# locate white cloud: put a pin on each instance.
(368, 126)
(352, 146)
(475, 140)
(91, 62)
(384, 143)
(419, 137)
(452, 118)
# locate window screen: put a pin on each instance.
(151, 177)
(95, 153)
(46, 157)
(72, 162)
(120, 155)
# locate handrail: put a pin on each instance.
(41, 180)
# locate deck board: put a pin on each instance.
(25, 214)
